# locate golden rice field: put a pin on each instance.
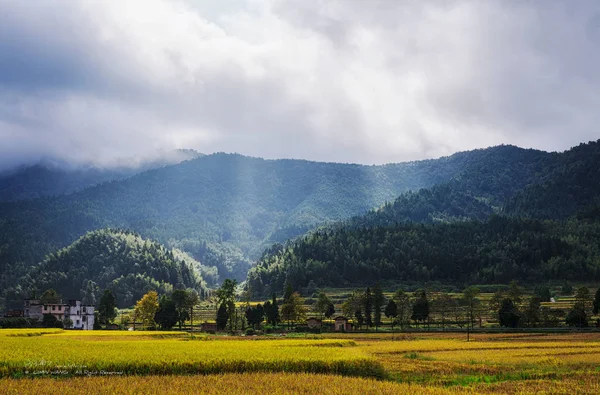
(69, 353)
(169, 362)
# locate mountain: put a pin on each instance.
(572, 185)
(222, 209)
(54, 178)
(225, 209)
(532, 220)
(121, 261)
(498, 250)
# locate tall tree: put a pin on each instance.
(378, 301)
(596, 305)
(360, 319)
(420, 311)
(255, 315)
(181, 300)
(353, 306)
(582, 298)
(470, 296)
(167, 315)
(222, 317)
(321, 307)
(577, 317)
(496, 300)
(391, 311)
(293, 309)
(330, 310)
(146, 307)
(443, 305)
(404, 307)
(272, 311)
(515, 292)
(107, 308)
(532, 314)
(226, 295)
(368, 306)
(509, 315)
(192, 300)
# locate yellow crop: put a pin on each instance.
(282, 383)
(78, 353)
(425, 363)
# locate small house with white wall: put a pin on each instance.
(81, 315)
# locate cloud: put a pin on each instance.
(338, 80)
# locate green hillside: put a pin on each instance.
(481, 227)
(222, 209)
(572, 185)
(118, 260)
(495, 251)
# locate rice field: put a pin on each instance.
(174, 362)
(76, 353)
(282, 383)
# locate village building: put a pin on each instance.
(314, 323)
(55, 309)
(33, 309)
(82, 316)
(342, 324)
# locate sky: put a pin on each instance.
(364, 81)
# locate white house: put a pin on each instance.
(82, 316)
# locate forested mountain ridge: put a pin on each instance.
(571, 186)
(504, 180)
(49, 178)
(420, 237)
(32, 182)
(118, 260)
(223, 209)
(498, 250)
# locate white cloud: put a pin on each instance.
(339, 80)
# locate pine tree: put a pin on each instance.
(222, 317)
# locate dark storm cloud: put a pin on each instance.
(342, 80)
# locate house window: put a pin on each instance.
(84, 311)
(53, 308)
(84, 319)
